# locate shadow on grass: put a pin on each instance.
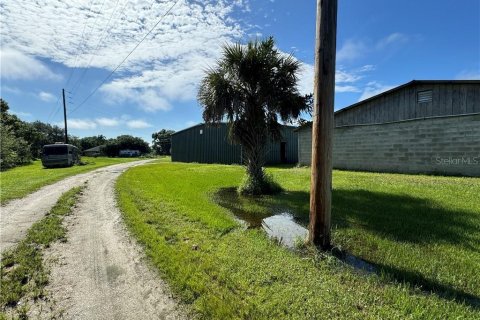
(399, 218)
(396, 217)
(403, 218)
(415, 279)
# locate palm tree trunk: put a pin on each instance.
(254, 151)
(254, 166)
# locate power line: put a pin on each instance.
(54, 110)
(81, 44)
(102, 39)
(128, 55)
(83, 39)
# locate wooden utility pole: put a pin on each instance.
(65, 115)
(322, 129)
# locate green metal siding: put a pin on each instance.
(210, 144)
(273, 150)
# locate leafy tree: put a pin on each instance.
(252, 87)
(162, 141)
(134, 143)
(7, 119)
(91, 142)
(14, 150)
(123, 142)
(39, 134)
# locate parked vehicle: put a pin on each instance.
(60, 155)
(129, 153)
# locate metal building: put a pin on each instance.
(210, 144)
(419, 127)
(416, 99)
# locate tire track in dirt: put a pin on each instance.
(17, 216)
(100, 272)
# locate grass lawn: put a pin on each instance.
(23, 275)
(421, 232)
(20, 181)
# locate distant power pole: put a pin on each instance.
(322, 128)
(65, 115)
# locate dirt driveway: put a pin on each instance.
(100, 272)
(17, 216)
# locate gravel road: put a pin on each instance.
(17, 216)
(100, 272)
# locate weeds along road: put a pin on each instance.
(17, 216)
(99, 272)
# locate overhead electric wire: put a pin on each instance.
(128, 55)
(54, 110)
(82, 41)
(102, 39)
(81, 44)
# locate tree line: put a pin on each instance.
(21, 142)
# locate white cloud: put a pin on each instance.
(16, 65)
(107, 122)
(339, 88)
(306, 78)
(366, 68)
(124, 120)
(373, 88)
(149, 100)
(353, 49)
(13, 90)
(468, 75)
(343, 76)
(21, 113)
(46, 96)
(396, 38)
(138, 124)
(345, 81)
(166, 67)
(80, 124)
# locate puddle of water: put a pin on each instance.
(283, 228)
(278, 222)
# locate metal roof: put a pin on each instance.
(217, 125)
(188, 128)
(411, 83)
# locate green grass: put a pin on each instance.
(20, 181)
(23, 275)
(420, 231)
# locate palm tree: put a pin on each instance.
(252, 87)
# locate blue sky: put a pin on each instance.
(380, 44)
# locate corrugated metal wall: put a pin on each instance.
(273, 150)
(204, 144)
(446, 99)
(209, 144)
